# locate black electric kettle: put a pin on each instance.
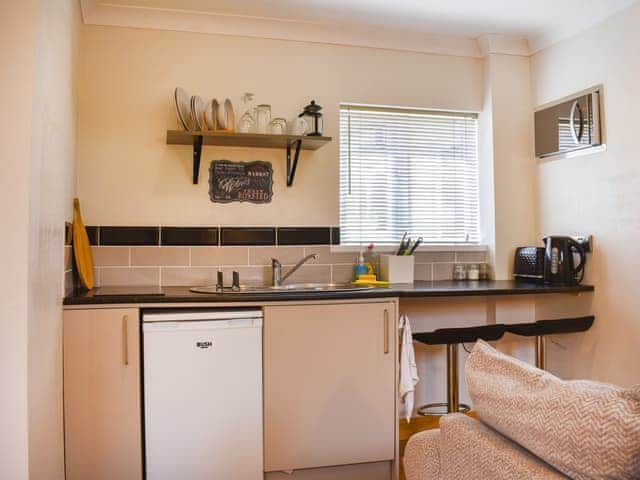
(559, 262)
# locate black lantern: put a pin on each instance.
(312, 115)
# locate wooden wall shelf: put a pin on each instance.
(256, 140)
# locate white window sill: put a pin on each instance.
(422, 248)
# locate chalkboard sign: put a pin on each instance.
(240, 181)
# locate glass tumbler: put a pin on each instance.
(278, 126)
(263, 118)
(246, 123)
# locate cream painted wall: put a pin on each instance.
(37, 44)
(17, 47)
(51, 189)
(128, 175)
(599, 193)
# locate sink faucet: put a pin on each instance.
(276, 269)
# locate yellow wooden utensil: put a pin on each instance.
(82, 248)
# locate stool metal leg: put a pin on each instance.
(453, 404)
(452, 378)
(541, 354)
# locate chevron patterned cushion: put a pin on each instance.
(585, 429)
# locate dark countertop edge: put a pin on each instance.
(418, 290)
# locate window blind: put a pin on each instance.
(408, 171)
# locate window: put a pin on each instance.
(410, 171)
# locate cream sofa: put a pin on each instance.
(533, 426)
(465, 448)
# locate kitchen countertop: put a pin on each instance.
(420, 289)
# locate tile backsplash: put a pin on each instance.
(188, 256)
(197, 265)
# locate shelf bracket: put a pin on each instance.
(291, 167)
(197, 152)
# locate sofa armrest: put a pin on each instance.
(422, 456)
(470, 449)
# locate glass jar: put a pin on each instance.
(460, 271)
(263, 118)
(473, 272)
(247, 122)
(298, 126)
(484, 271)
(278, 126)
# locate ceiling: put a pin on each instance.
(540, 22)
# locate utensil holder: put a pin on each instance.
(397, 268)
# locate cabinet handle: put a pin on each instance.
(386, 331)
(125, 339)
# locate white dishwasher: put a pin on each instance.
(203, 394)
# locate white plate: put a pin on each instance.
(226, 117)
(231, 116)
(198, 106)
(183, 107)
(211, 115)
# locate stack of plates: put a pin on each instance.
(195, 114)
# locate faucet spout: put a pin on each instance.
(276, 266)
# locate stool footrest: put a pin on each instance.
(440, 409)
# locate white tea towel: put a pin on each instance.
(408, 369)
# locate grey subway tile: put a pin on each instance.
(188, 276)
(286, 255)
(468, 257)
(433, 257)
(110, 256)
(219, 256)
(159, 256)
(341, 273)
(310, 274)
(424, 271)
(442, 271)
(129, 276)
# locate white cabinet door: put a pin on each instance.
(329, 384)
(102, 394)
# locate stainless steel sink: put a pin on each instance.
(317, 286)
(291, 287)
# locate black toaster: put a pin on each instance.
(529, 264)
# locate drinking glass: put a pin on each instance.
(263, 118)
(278, 126)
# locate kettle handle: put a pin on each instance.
(580, 268)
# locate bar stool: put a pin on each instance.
(541, 328)
(452, 337)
